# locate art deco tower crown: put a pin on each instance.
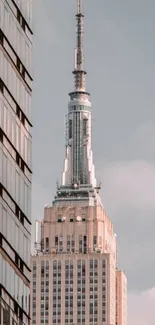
(78, 178)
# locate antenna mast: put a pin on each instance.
(79, 6)
(79, 57)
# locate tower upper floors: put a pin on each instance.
(73, 289)
(76, 229)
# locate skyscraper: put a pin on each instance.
(15, 160)
(121, 298)
(74, 267)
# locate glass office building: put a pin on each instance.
(15, 160)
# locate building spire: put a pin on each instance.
(78, 177)
(79, 57)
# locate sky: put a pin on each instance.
(120, 60)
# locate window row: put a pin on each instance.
(57, 265)
(25, 8)
(8, 312)
(71, 321)
(72, 218)
(15, 235)
(79, 108)
(15, 85)
(14, 210)
(69, 247)
(15, 258)
(15, 183)
(80, 128)
(8, 147)
(15, 59)
(10, 102)
(16, 133)
(91, 320)
(14, 285)
(16, 36)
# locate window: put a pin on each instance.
(96, 263)
(59, 218)
(56, 240)
(23, 90)
(47, 243)
(85, 121)
(85, 244)
(94, 240)
(70, 129)
(83, 217)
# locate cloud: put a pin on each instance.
(129, 184)
(141, 307)
(144, 135)
(129, 199)
(143, 139)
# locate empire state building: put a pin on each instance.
(75, 279)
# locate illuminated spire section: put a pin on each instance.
(80, 82)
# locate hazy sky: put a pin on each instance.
(120, 60)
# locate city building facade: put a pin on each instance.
(15, 160)
(121, 298)
(75, 259)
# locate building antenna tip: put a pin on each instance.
(79, 3)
